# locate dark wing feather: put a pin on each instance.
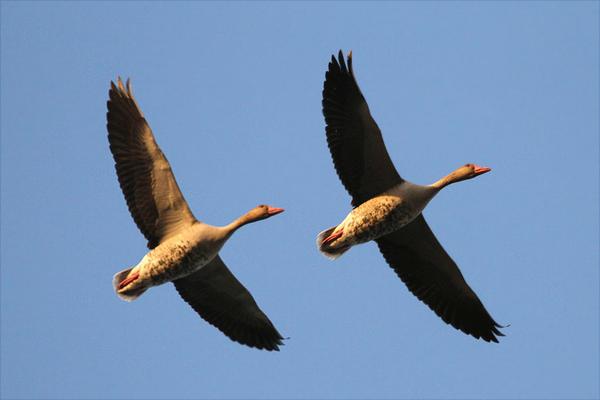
(431, 275)
(151, 191)
(218, 297)
(359, 154)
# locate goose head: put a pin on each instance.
(467, 171)
(261, 212)
(258, 213)
(470, 171)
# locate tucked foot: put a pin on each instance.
(128, 280)
(333, 236)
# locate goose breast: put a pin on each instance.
(385, 213)
(181, 255)
(375, 218)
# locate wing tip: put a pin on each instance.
(270, 343)
(350, 63)
(266, 337)
(122, 93)
(120, 87)
(342, 61)
(492, 334)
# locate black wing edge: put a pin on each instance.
(352, 107)
(418, 247)
(264, 337)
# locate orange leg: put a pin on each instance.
(128, 280)
(333, 236)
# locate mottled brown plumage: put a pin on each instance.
(183, 249)
(388, 208)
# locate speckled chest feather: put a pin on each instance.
(375, 218)
(175, 259)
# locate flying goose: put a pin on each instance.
(388, 208)
(183, 250)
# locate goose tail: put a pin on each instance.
(129, 294)
(328, 251)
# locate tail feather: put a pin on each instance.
(127, 295)
(326, 249)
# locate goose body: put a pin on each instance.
(177, 257)
(377, 217)
(388, 209)
(183, 250)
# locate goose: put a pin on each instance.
(183, 250)
(388, 209)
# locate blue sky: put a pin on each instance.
(232, 92)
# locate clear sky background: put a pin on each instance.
(233, 94)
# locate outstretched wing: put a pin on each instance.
(218, 297)
(151, 191)
(431, 275)
(359, 154)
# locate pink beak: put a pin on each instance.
(481, 170)
(274, 211)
